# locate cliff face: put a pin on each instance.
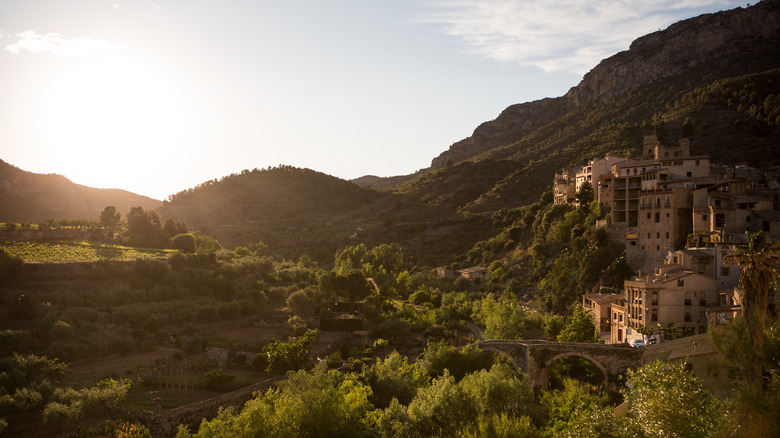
(514, 122)
(698, 50)
(705, 41)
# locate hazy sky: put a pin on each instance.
(156, 96)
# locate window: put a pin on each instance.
(681, 283)
(697, 162)
(747, 219)
(657, 217)
(667, 234)
(648, 215)
(658, 247)
(649, 236)
(658, 235)
(720, 220)
(688, 174)
(687, 316)
(724, 271)
(702, 302)
(633, 243)
(704, 217)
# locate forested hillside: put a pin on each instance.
(33, 198)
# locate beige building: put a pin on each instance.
(592, 171)
(735, 206)
(600, 305)
(563, 187)
(663, 224)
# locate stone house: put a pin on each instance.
(479, 272)
(670, 296)
(600, 305)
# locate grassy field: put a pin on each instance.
(75, 252)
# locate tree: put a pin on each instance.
(109, 218)
(173, 227)
(144, 228)
(441, 358)
(668, 401)
(350, 285)
(503, 319)
(585, 195)
(394, 378)
(442, 408)
(580, 327)
(292, 354)
(184, 243)
(758, 266)
(304, 302)
(318, 403)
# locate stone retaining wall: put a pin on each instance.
(163, 424)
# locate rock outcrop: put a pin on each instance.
(700, 49)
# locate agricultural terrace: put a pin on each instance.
(75, 252)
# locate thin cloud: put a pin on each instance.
(31, 41)
(557, 35)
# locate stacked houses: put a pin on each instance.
(678, 215)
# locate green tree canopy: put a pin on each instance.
(757, 262)
(579, 328)
(110, 218)
(667, 401)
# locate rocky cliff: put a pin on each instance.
(697, 51)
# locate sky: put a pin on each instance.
(157, 96)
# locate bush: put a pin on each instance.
(218, 380)
(184, 243)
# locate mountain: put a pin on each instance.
(32, 197)
(656, 69)
(714, 79)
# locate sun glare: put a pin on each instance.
(109, 120)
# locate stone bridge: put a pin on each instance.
(535, 357)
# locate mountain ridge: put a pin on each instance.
(661, 55)
(32, 197)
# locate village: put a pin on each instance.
(678, 215)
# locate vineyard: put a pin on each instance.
(75, 252)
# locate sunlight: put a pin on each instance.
(106, 119)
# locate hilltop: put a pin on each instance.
(33, 197)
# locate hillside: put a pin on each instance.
(32, 197)
(717, 74)
(713, 78)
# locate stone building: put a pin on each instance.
(600, 305)
(670, 296)
(563, 187)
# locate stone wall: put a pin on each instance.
(163, 424)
